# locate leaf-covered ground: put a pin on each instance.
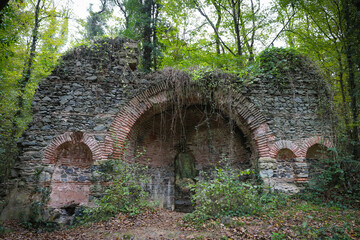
(297, 221)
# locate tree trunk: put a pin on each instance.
(235, 14)
(217, 26)
(3, 4)
(351, 49)
(28, 66)
(147, 36)
(154, 30)
(123, 10)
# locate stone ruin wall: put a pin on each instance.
(96, 98)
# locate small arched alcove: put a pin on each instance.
(317, 152)
(285, 166)
(315, 156)
(70, 184)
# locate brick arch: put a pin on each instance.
(309, 142)
(245, 114)
(74, 137)
(283, 144)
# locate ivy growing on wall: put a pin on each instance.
(279, 64)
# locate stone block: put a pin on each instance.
(100, 128)
(49, 169)
(285, 187)
(44, 177)
(267, 160)
(267, 165)
(266, 173)
(303, 175)
(300, 165)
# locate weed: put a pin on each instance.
(221, 194)
(4, 230)
(125, 194)
(278, 236)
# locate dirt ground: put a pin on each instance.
(302, 221)
(162, 224)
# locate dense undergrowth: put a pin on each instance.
(225, 202)
(337, 182)
(223, 194)
(126, 193)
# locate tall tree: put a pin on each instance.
(96, 22)
(328, 31)
(146, 35)
(24, 80)
(141, 20)
(222, 30)
(27, 26)
(351, 13)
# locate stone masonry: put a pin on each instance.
(95, 103)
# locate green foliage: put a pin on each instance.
(306, 231)
(40, 198)
(279, 63)
(222, 194)
(337, 180)
(36, 219)
(306, 220)
(278, 236)
(214, 31)
(180, 54)
(15, 37)
(95, 23)
(125, 193)
(198, 74)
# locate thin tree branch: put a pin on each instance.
(277, 35)
(212, 25)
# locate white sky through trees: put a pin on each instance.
(79, 10)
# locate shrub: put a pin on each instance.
(125, 193)
(222, 194)
(279, 65)
(336, 182)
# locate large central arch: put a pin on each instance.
(156, 99)
(131, 127)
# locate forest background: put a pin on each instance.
(230, 35)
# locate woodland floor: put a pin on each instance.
(301, 221)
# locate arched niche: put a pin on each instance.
(209, 137)
(285, 155)
(158, 98)
(153, 124)
(314, 157)
(70, 184)
(316, 152)
(285, 166)
(74, 155)
(164, 139)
